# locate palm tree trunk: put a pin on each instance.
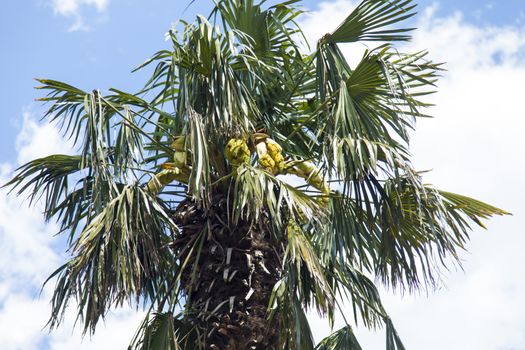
(229, 278)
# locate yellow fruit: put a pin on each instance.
(267, 161)
(237, 152)
(270, 156)
(273, 148)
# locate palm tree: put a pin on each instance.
(251, 179)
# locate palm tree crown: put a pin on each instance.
(249, 181)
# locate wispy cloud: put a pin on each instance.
(473, 146)
(37, 139)
(74, 9)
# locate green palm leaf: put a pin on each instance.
(343, 339)
(165, 332)
(369, 19)
(121, 255)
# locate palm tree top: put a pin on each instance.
(240, 129)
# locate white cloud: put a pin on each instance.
(474, 146)
(325, 19)
(38, 140)
(74, 9)
(116, 333)
(22, 318)
(25, 240)
(26, 244)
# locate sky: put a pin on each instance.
(473, 146)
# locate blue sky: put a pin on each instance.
(37, 41)
(474, 146)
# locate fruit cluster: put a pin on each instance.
(270, 156)
(237, 152)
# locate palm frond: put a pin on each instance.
(206, 67)
(377, 100)
(295, 332)
(311, 282)
(393, 342)
(46, 176)
(470, 207)
(246, 18)
(254, 191)
(361, 292)
(368, 21)
(163, 331)
(67, 105)
(343, 339)
(420, 227)
(89, 119)
(347, 234)
(200, 178)
(122, 255)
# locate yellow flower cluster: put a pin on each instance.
(270, 156)
(237, 152)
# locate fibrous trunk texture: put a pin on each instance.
(229, 278)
